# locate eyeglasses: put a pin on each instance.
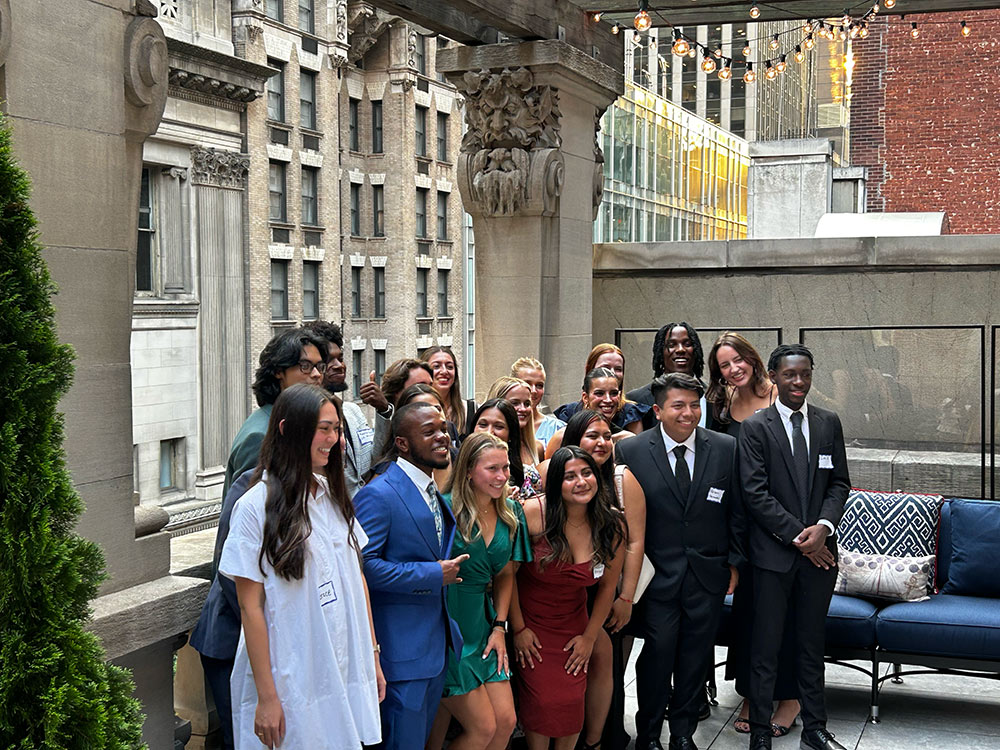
(307, 366)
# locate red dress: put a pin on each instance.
(554, 605)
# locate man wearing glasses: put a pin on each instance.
(293, 356)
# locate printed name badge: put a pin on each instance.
(327, 593)
(715, 494)
(598, 570)
(825, 462)
(366, 435)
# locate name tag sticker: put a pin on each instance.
(715, 494)
(327, 594)
(366, 435)
(598, 570)
(825, 462)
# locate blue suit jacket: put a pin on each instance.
(217, 633)
(404, 577)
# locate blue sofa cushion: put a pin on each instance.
(850, 622)
(975, 547)
(957, 626)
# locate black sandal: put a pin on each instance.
(740, 723)
(779, 731)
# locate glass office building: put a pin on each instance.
(669, 174)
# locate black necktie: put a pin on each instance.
(800, 455)
(681, 472)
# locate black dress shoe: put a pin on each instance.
(760, 742)
(819, 739)
(682, 743)
(650, 745)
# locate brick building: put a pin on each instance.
(924, 119)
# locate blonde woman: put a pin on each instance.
(490, 528)
(530, 370)
(518, 394)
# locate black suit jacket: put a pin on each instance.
(769, 491)
(689, 532)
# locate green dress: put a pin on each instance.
(470, 602)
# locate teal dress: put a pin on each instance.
(470, 602)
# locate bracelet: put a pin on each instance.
(518, 632)
(627, 601)
(378, 648)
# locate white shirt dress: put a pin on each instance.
(322, 657)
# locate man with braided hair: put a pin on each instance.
(676, 348)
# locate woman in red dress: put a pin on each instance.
(578, 542)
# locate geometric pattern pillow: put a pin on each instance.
(896, 524)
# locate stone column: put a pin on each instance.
(219, 180)
(530, 173)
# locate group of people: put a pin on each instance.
(455, 573)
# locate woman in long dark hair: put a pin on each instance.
(578, 538)
(499, 418)
(294, 551)
(444, 369)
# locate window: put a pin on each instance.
(279, 290)
(355, 210)
(377, 127)
(420, 55)
(442, 215)
(352, 125)
(421, 130)
(442, 291)
(310, 191)
(379, 364)
(276, 92)
(442, 136)
(147, 235)
(422, 274)
(276, 188)
(356, 372)
(379, 292)
(273, 9)
(310, 290)
(306, 16)
(378, 211)
(421, 212)
(356, 291)
(307, 99)
(171, 464)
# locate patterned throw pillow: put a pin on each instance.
(895, 524)
(903, 579)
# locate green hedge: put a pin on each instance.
(56, 690)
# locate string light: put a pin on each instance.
(642, 21)
(614, 29)
(718, 53)
(809, 43)
(890, 3)
(914, 31)
(775, 43)
(808, 27)
(692, 52)
(750, 76)
(843, 33)
(652, 43)
(681, 46)
(708, 65)
(755, 11)
(800, 56)
(747, 51)
(597, 16)
(726, 72)
(636, 39)
(770, 72)
(966, 31)
(782, 64)
(846, 20)
(864, 31)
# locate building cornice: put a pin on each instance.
(215, 74)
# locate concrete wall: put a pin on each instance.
(900, 385)
(790, 187)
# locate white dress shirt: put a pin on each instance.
(669, 443)
(786, 420)
(418, 476)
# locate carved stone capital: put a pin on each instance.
(510, 161)
(210, 166)
(364, 25)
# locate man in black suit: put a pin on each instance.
(793, 467)
(693, 533)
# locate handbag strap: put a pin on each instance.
(620, 484)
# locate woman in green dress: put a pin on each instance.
(491, 529)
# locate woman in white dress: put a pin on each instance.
(307, 672)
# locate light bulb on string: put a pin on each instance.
(966, 30)
(642, 21)
(681, 45)
(692, 52)
(708, 64)
(800, 56)
(875, 9)
(864, 31)
(782, 64)
(755, 11)
(770, 72)
(914, 31)
(890, 3)
(809, 43)
(750, 76)
(846, 20)
(747, 51)
(855, 30)
(614, 29)
(718, 53)
(652, 44)
(726, 72)
(775, 43)
(596, 16)
(636, 39)
(843, 33)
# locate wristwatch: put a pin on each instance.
(498, 623)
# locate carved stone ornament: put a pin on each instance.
(598, 164)
(146, 69)
(510, 161)
(365, 26)
(210, 166)
(342, 20)
(211, 86)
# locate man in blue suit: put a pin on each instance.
(410, 530)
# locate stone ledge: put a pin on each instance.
(134, 618)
